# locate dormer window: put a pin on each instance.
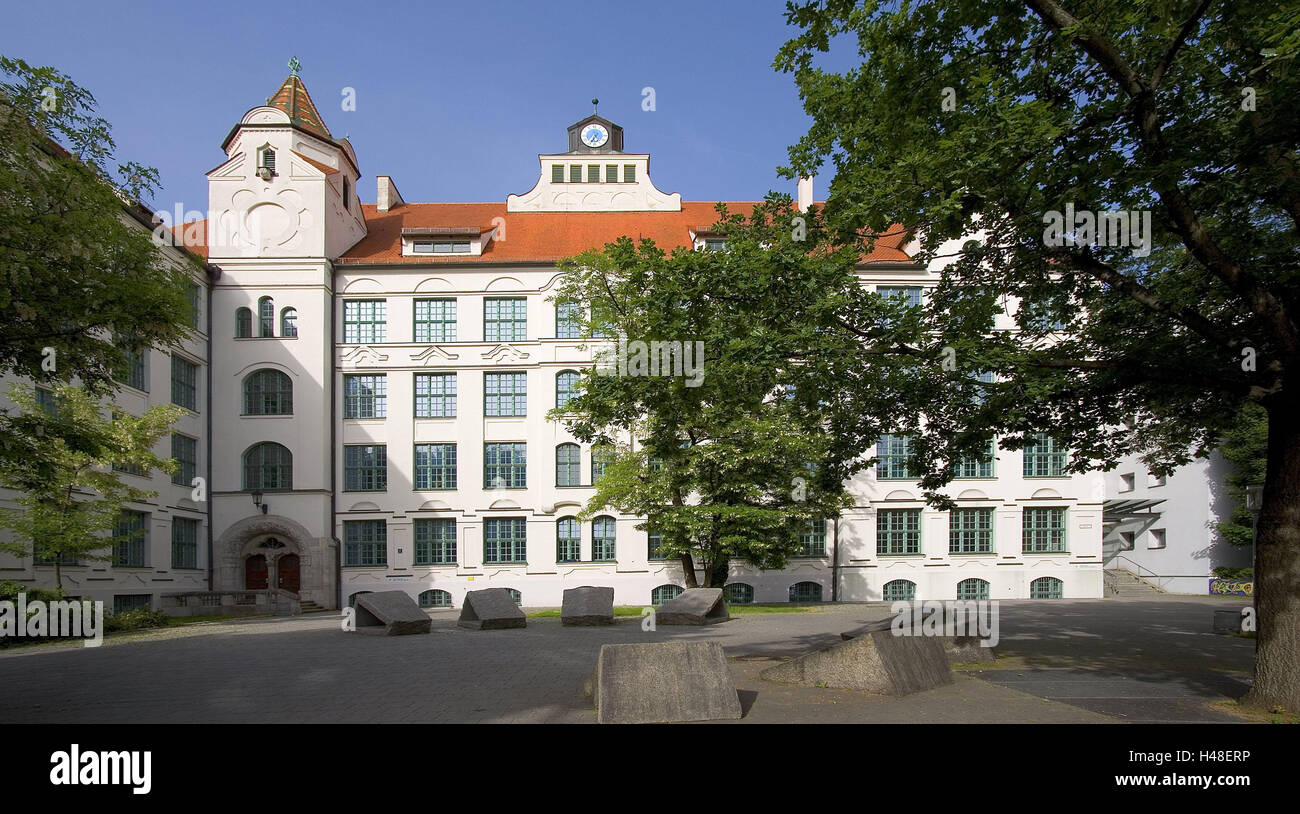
(266, 162)
(440, 247)
(575, 173)
(346, 199)
(714, 244)
(557, 173)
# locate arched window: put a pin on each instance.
(352, 600)
(434, 599)
(973, 589)
(243, 323)
(289, 322)
(1046, 588)
(900, 590)
(266, 317)
(603, 539)
(269, 467)
(516, 596)
(568, 465)
(738, 593)
(268, 392)
(566, 383)
(806, 592)
(568, 542)
(266, 161)
(664, 593)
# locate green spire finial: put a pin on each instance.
(295, 65)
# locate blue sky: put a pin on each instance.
(454, 100)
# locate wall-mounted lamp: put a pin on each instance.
(257, 501)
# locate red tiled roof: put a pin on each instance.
(551, 236)
(542, 237)
(293, 99)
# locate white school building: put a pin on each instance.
(374, 386)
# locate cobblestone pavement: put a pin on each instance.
(1064, 661)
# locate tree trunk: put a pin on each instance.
(58, 573)
(719, 570)
(1277, 564)
(688, 570)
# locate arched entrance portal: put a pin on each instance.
(272, 552)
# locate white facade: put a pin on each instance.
(174, 556)
(1173, 543)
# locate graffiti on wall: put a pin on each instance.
(1232, 587)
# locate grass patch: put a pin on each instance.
(1259, 716)
(178, 621)
(554, 613)
(753, 610)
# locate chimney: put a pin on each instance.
(805, 193)
(389, 197)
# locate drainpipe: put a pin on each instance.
(835, 561)
(214, 273)
(334, 423)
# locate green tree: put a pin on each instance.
(75, 269)
(69, 494)
(1245, 446)
(733, 462)
(994, 119)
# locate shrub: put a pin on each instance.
(135, 619)
(1223, 572)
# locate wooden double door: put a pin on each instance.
(288, 573)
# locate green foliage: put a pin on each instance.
(74, 268)
(1123, 110)
(726, 466)
(135, 619)
(1245, 446)
(1224, 572)
(69, 496)
(9, 590)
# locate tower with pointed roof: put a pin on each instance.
(282, 205)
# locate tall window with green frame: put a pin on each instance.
(435, 320)
(603, 534)
(365, 322)
(435, 466)
(266, 317)
(365, 542)
(365, 396)
(654, 545)
(568, 465)
(505, 466)
(812, 540)
(129, 539)
(601, 455)
(568, 320)
(1044, 457)
(268, 392)
(505, 319)
(435, 541)
(132, 371)
(185, 383)
(970, 531)
(192, 294)
(505, 394)
(566, 384)
(365, 467)
(898, 532)
(980, 466)
(568, 540)
(505, 539)
(185, 542)
(435, 395)
(894, 458)
(1044, 530)
(186, 452)
(268, 466)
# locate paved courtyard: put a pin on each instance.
(1062, 661)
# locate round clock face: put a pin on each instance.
(594, 135)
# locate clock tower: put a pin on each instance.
(595, 175)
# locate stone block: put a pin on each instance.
(694, 606)
(1227, 620)
(587, 605)
(389, 613)
(876, 661)
(958, 649)
(663, 682)
(491, 609)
